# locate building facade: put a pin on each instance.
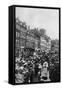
(44, 44)
(25, 38)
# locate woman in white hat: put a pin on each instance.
(45, 72)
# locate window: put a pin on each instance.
(17, 42)
(23, 34)
(17, 34)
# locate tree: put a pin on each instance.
(46, 38)
(36, 31)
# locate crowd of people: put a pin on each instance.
(35, 68)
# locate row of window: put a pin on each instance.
(20, 42)
(22, 34)
(47, 43)
(28, 37)
(23, 42)
(45, 47)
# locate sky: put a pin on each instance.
(41, 18)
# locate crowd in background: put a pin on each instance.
(36, 68)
